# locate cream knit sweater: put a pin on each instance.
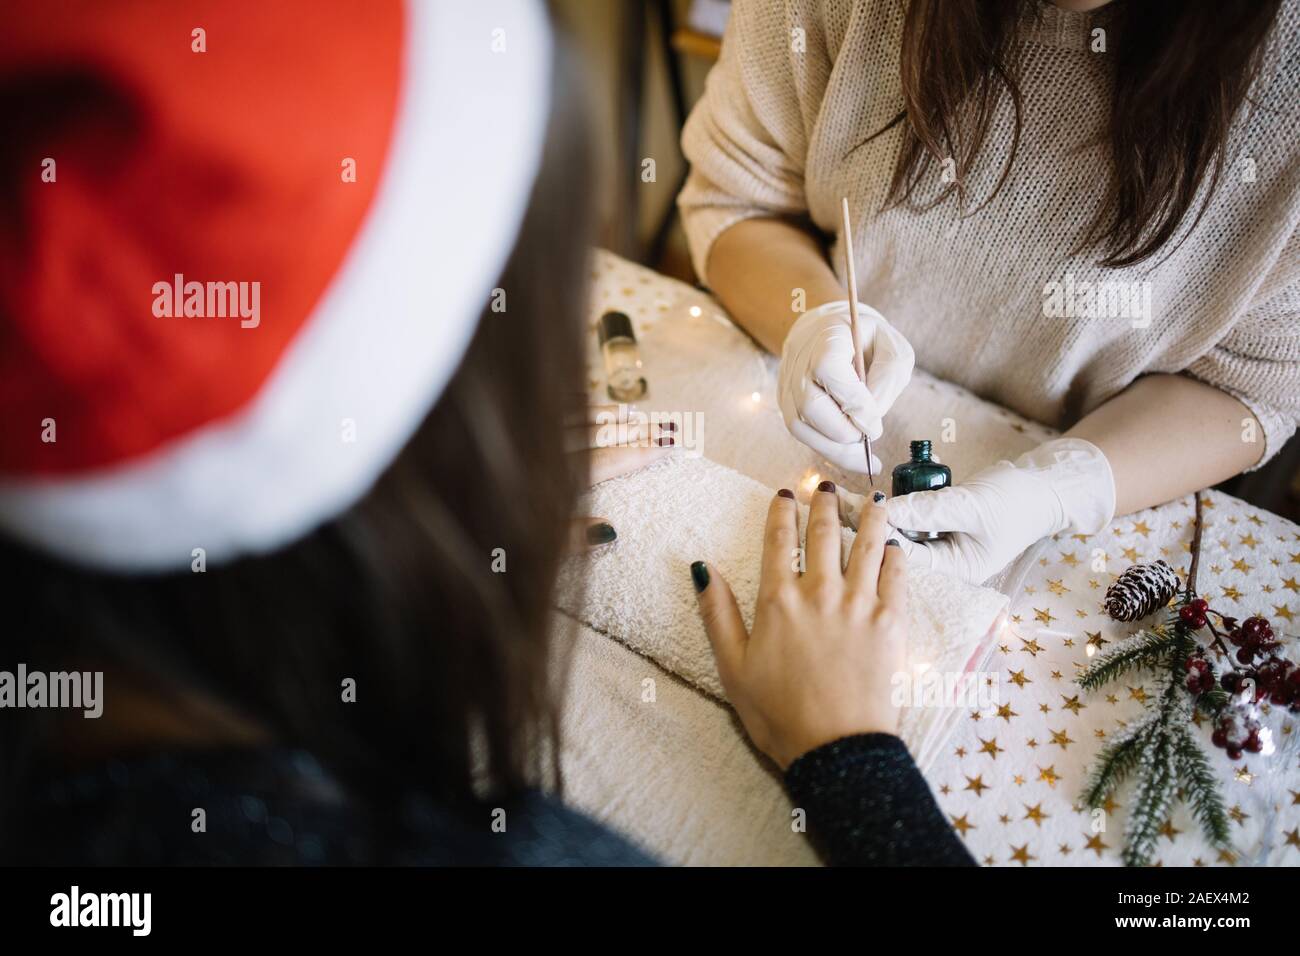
(995, 300)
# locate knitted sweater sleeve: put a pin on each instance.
(868, 805)
(747, 137)
(1258, 361)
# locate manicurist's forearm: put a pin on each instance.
(756, 266)
(1169, 435)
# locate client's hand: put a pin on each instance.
(826, 643)
(615, 443)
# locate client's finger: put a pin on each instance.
(588, 533)
(893, 577)
(780, 541)
(823, 546)
(607, 463)
(868, 550)
(722, 620)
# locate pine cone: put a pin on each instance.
(1141, 590)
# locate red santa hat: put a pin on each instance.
(245, 246)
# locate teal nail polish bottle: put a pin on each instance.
(922, 473)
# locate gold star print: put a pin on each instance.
(1019, 679)
(1049, 776)
(1032, 647)
(1240, 565)
(1138, 693)
(1095, 640)
(1031, 743)
(1063, 849)
(1110, 805)
(1005, 712)
(960, 751)
(1295, 558)
(945, 789)
(1072, 704)
(1291, 585)
(961, 825)
(1243, 775)
(1003, 819)
(1282, 610)
(1295, 796)
(1130, 554)
(977, 784)
(989, 861)
(1036, 814)
(1254, 519)
(1216, 568)
(1080, 612)
(1293, 838)
(1069, 558)
(1080, 537)
(1061, 737)
(1228, 857)
(1057, 587)
(1141, 528)
(1056, 675)
(1044, 615)
(1018, 780)
(1169, 830)
(1021, 855)
(1095, 843)
(1231, 594)
(1239, 815)
(1094, 583)
(1112, 699)
(1249, 541)
(990, 747)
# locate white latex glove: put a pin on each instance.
(1062, 485)
(823, 402)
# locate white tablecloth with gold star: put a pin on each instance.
(1013, 772)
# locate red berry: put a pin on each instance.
(1236, 637)
(1253, 626)
(1192, 617)
(1245, 655)
(1253, 744)
(1200, 604)
(1219, 738)
(1234, 752)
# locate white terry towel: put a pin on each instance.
(638, 590)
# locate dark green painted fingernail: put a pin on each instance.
(700, 575)
(602, 533)
(892, 543)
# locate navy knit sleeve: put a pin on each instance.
(868, 805)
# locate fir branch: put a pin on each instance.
(1200, 787)
(1144, 649)
(1212, 702)
(1154, 795)
(1115, 762)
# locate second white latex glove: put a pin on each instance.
(993, 516)
(822, 400)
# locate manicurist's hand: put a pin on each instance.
(615, 443)
(826, 642)
(1062, 485)
(824, 403)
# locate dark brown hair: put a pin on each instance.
(455, 692)
(1181, 68)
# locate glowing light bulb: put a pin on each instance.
(810, 482)
(755, 397)
(1090, 650)
(696, 311)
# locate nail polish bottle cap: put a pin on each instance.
(921, 450)
(615, 325)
